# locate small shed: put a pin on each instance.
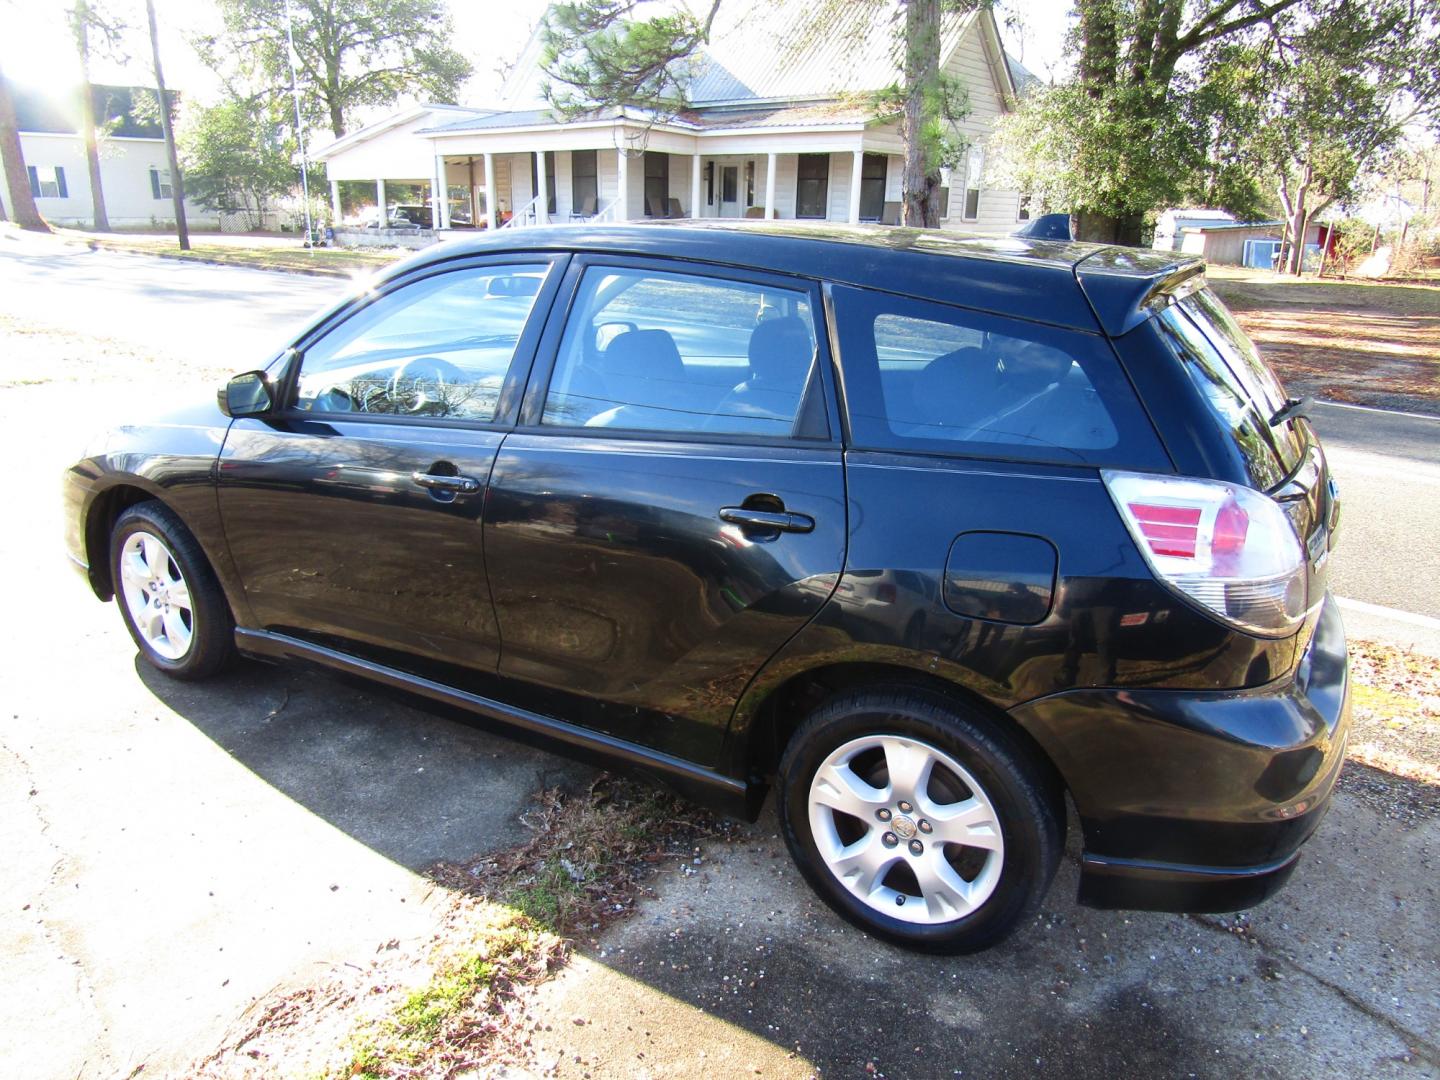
(1170, 226)
(1243, 243)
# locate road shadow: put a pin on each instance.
(413, 785)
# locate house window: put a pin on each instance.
(709, 183)
(1023, 214)
(749, 183)
(657, 184)
(872, 187)
(48, 182)
(584, 182)
(160, 187)
(549, 180)
(975, 162)
(813, 186)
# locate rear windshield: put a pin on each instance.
(1240, 389)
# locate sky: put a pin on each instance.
(37, 49)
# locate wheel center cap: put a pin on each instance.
(904, 827)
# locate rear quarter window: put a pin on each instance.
(925, 376)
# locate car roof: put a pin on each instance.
(1080, 286)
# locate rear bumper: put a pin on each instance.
(1200, 801)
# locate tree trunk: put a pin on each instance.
(87, 116)
(1097, 228)
(177, 186)
(922, 70)
(17, 179)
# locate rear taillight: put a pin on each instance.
(1226, 547)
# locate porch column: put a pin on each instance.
(542, 196)
(380, 202)
(624, 190)
(335, 200)
(857, 171)
(695, 186)
(770, 185)
(440, 215)
(490, 222)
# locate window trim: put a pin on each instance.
(822, 381)
(520, 362)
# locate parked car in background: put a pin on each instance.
(928, 534)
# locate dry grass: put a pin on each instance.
(1395, 731)
(291, 255)
(457, 1006)
(1372, 343)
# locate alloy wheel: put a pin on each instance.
(156, 595)
(906, 829)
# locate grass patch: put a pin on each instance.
(1370, 343)
(462, 1017)
(1394, 731)
(589, 859)
(291, 256)
(456, 1006)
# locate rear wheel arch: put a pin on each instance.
(784, 709)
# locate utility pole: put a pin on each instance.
(177, 186)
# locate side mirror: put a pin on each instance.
(246, 395)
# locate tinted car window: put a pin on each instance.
(927, 375)
(1238, 385)
(438, 348)
(652, 351)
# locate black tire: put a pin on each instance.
(1027, 803)
(212, 627)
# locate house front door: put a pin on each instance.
(730, 191)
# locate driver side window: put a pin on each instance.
(438, 349)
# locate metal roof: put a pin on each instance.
(776, 49)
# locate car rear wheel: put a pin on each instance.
(918, 820)
(167, 593)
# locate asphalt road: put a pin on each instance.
(176, 853)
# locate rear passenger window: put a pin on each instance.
(651, 351)
(925, 375)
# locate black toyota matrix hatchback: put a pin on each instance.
(925, 532)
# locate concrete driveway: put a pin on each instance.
(176, 853)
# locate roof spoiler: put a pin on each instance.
(1125, 286)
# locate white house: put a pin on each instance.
(780, 125)
(134, 173)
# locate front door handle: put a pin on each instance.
(783, 520)
(463, 485)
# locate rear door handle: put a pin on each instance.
(464, 485)
(785, 521)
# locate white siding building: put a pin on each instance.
(134, 172)
(780, 126)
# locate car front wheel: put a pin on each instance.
(918, 820)
(167, 593)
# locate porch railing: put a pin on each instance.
(610, 212)
(526, 215)
(529, 215)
